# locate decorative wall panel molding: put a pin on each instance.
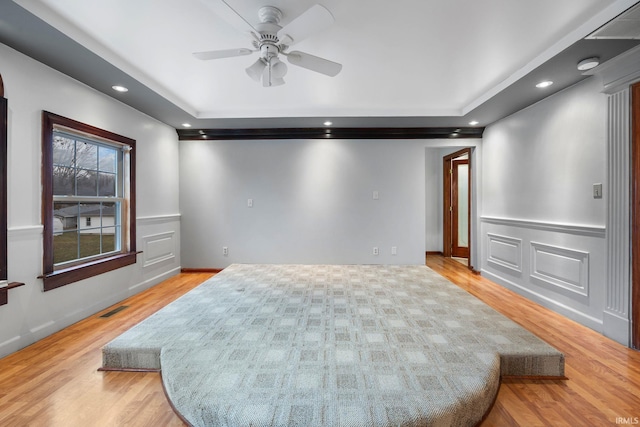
(504, 251)
(157, 248)
(560, 269)
(583, 230)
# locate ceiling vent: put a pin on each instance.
(624, 26)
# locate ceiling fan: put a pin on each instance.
(272, 40)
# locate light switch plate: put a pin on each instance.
(597, 191)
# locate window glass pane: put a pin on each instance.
(64, 180)
(106, 184)
(89, 244)
(89, 217)
(110, 226)
(107, 159)
(91, 235)
(87, 155)
(65, 217)
(109, 239)
(65, 246)
(87, 182)
(109, 214)
(63, 151)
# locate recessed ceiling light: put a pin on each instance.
(328, 123)
(544, 84)
(454, 134)
(588, 63)
(473, 122)
(186, 125)
(119, 88)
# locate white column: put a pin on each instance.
(616, 321)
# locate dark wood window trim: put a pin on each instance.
(56, 278)
(3, 187)
(3, 198)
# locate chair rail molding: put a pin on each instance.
(579, 229)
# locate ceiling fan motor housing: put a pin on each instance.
(270, 14)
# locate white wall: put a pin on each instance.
(31, 314)
(543, 232)
(312, 201)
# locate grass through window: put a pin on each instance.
(67, 248)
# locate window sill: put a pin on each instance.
(76, 273)
(4, 293)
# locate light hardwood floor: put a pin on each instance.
(55, 381)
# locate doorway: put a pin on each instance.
(457, 204)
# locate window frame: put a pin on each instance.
(54, 278)
(3, 186)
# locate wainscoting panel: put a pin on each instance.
(559, 266)
(158, 248)
(560, 269)
(505, 251)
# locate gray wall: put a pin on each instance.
(543, 232)
(312, 201)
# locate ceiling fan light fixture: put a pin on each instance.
(255, 71)
(278, 68)
(276, 81)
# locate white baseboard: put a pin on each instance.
(154, 280)
(571, 313)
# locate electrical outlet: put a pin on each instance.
(249, 203)
(225, 251)
(394, 250)
(376, 251)
(376, 195)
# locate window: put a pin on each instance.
(88, 201)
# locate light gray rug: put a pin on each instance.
(295, 345)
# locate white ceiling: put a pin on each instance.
(401, 58)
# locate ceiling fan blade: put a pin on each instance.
(314, 63)
(314, 19)
(225, 53)
(229, 15)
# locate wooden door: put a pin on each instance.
(460, 208)
(448, 247)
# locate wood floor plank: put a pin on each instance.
(55, 381)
